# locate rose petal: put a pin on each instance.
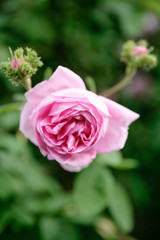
(26, 126)
(120, 113)
(71, 124)
(117, 132)
(114, 139)
(64, 78)
(39, 92)
(83, 96)
(79, 161)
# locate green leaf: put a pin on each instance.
(48, 73)
(49, 228)
(37, 23)
(16, 159)
(9, 184)
(11, 107)
(9, 120)
(22, 217)
(120, 207)
(57, 229)
(111, 159)
(140, 191)
(131, 19)
(132, 23)
(91, 84)
(13, 145)
(83, 219)
(127, 164)
(68, 231)
(89, 190)
(56, 203)
(5, 218)
(4, 52)
(19, 97)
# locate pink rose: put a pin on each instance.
(71, 124)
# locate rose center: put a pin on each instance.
(71, 135)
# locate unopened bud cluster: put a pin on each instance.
(138, 54)
(22, 64)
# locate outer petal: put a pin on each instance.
(64, 78)
(117, 132)
(71, 162)
(75, 159)
(25, 123)
(71, 168)
(77, 163)
(61, 79)
(120, 113)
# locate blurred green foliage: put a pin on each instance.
(38, 199)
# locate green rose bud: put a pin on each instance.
(20, 67)
(138, 54)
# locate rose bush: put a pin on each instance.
(71, 124)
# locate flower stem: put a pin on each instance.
(27, 83)
(130, 72)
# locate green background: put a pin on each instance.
(38, 199)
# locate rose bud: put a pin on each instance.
(140, 50)
(17, 63)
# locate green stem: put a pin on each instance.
(27, 83)
(130, 72)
